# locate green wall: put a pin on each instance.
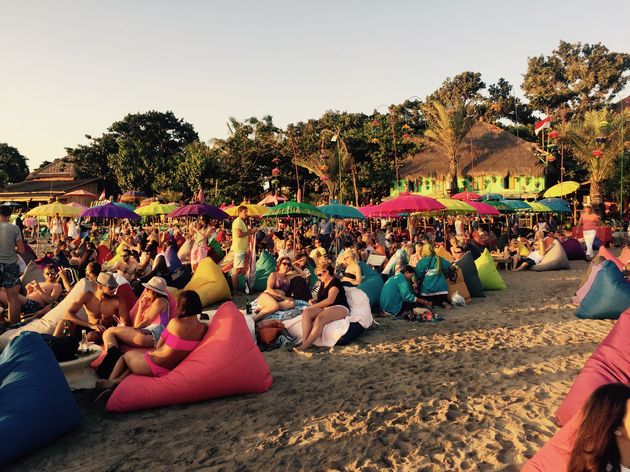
(486, 184)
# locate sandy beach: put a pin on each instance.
(475, 392)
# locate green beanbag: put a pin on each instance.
(608, 297)
(265, 265)
(488, 273)
(471, 276)
(313, 279)
(372, 283)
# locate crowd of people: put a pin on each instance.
(315, 261)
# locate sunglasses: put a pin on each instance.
(285, 263)
(319, 274)
(457, 252)
(49, 273)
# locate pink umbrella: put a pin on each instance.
(466, 196)
(366, 210)
(408, 203)
(484, 208)
(77, 205)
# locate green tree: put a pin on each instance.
(596, 140)
(503, 104)
(12, 163)
(448, 125)
(92, 160)
(197, 168)
(465, 87)
(579, 77)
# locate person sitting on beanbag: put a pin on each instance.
(181, 336)
(534, 257)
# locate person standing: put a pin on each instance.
(10, 239)
(240, 243)
(589, 222)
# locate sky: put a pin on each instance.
(74, 67)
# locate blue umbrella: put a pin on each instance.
(491, 197)
(124, 205)
(558, 205)
(517, 205)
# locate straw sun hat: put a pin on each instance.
(157, 285)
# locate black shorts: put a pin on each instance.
(9, 275)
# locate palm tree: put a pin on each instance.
(447, 126)
(325, 164)
(596, 140)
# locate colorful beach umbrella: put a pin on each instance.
(252, 210)
(466, 196)
(561, 189)
(490, 197)
(342, 212)
(500, 205)
(109, 210)
(155, 209)
(124, 205)
(77, 205)
(408, 203)
(196, 209)
(53, 209)
(484, 208)
(538, 207)
(292, 208)
(80, 193)
(456, 207)
(516, 205)
(557, 205)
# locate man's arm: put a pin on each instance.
(71, 314)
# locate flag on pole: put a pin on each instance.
(102, 197)
(542, 124)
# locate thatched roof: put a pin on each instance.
(486, 150)
(59, 169)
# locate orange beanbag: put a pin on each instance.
(227, 362)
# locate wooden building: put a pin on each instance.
(492, 160)
(48, 183)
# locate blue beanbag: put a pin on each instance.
(36, 405)
(265, 265)
(372, 283)
(609, 295)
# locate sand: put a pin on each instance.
(475, 392)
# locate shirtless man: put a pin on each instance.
(104, 309)
(127, 267)
(39, 296)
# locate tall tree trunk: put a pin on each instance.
(354, 184)
(452, 176)
(596, 193)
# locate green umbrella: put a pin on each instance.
(154, 209)
(342, 212)
(124, 205)
(456, 207)
(499, 205)
(294, 209)
(515, 205)
(538, 207)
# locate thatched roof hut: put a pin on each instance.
(487, 150)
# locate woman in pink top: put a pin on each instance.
(589, 222)
(182, 335)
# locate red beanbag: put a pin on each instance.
(609, 363)
(227, 362)
(606, 254)
(554, 456)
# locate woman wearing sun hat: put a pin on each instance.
(152, 314)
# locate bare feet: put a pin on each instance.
(106, 384)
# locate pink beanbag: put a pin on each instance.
(606, 254)
(125, 292)
(227, 362)
(554, 456)
(609, 363)
(583, 290)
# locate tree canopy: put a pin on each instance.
(13, 164)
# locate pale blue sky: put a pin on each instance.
(71, 68)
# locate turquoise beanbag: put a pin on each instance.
(36, 405)
(265, 265)
(608, 297)
(372, 283)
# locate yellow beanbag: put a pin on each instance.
(488, 273)
(443, 253)
(208, 281)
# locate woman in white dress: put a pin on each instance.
(73, 231)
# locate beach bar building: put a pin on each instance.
(492, 160)
(50, 182)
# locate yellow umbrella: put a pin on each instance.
(154, 209)
(53, 209)
(561, 189)
(252, 210)
(538, 207)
